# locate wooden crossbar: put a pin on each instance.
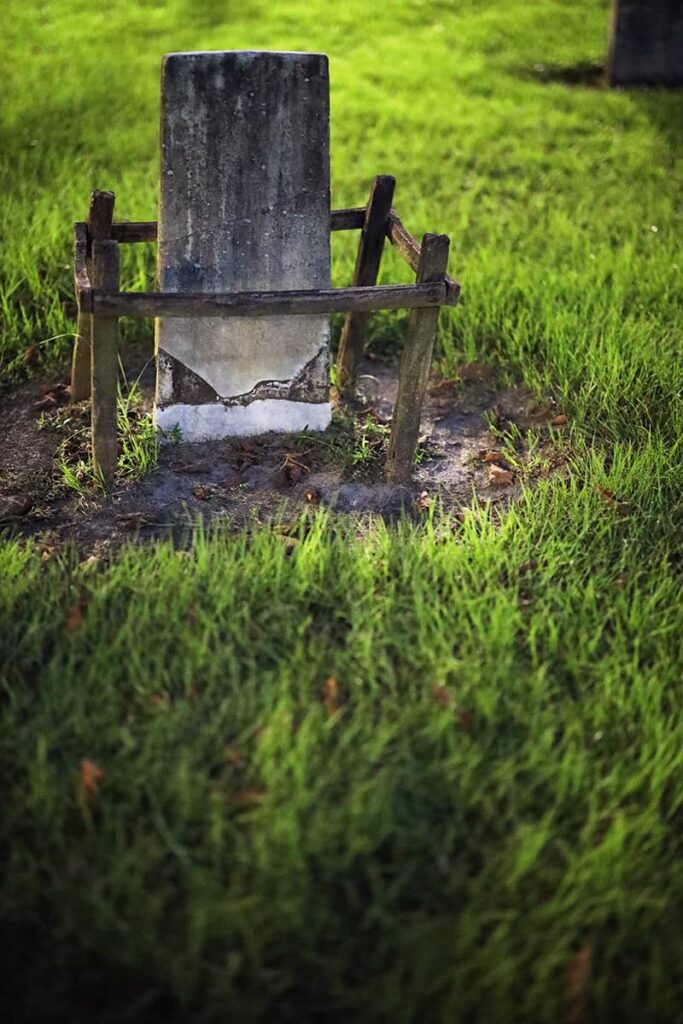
(291, 303)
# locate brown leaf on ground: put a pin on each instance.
(559, 421)
(247, 797)
(234, 757)
(47, 402)
(291, 544)
(331, 696)
(577, 980)
(440, 695)
(622, 508)
(500, 477)
(28, 354)
(90, 776)
(292, 469)
(465, 719)
(246, 455)
(74, 618)
(476, 371)
(447, 384)
(496, 457)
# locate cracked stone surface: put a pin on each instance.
(244, 205)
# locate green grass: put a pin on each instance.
(498, 799)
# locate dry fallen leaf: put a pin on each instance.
(292, 469)
(234, 757)
(559, 421)
(90, 775)
(476, 371)
(423, 503)
(446, 384)
(28, 354)
(291, 544)
(331, 695)
(247, 797)
(465, 719)
(622, 508)
(246, 455)
(74, 618)
(496, 457)
(578, 977)
(47, 402)
(440, 695)
(500, 477)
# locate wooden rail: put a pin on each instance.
(291, 303)
(100, 304)
(409, 248)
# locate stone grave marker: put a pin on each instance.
(244, 206)
(646, 47)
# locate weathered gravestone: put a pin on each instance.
(647, 43)
(244, 206)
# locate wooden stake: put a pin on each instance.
(99, 227)
(367, 267)
(105, 331)
(415, 364)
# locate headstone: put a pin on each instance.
(647, 43)
(244, 206)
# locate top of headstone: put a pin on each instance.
(243, 53)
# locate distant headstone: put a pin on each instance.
(647, 43)
(244, 206)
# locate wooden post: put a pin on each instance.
(415, 364)
(105, 331)
(99, 227)
(367, 268)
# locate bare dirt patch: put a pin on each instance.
(479, 444)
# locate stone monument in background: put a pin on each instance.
(646, 46)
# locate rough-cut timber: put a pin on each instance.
(99, 227)
(415, 364)
(646, 47)
(259, 304)
(105, 332)
(244, 207)
(368, 260)
(409, 248)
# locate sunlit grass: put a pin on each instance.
(500, 787)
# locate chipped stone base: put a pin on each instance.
(212, 421)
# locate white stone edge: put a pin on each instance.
(213, 421)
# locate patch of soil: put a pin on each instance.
(473, 449)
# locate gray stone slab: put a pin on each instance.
(244, 205)
(647, 43)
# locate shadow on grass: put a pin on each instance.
(584, 74)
